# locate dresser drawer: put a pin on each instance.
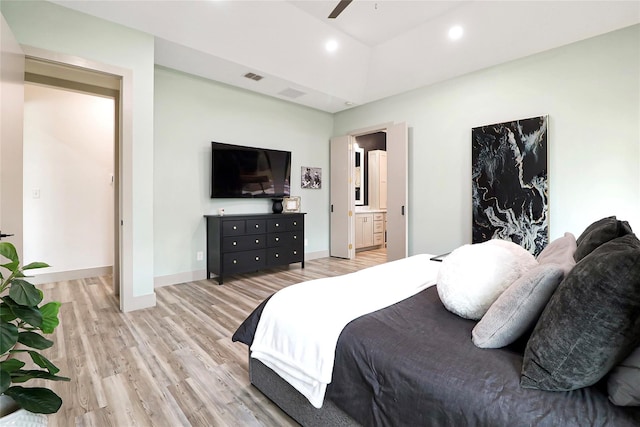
(278, 256)
(233, 228)
(289, 238)
(378, 216)
(285, 223)
(378, 226)
(244, 243)
(256, 226)
(244, 261)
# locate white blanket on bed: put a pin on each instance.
(299, 328)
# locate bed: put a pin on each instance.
(414, 363)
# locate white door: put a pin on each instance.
(342, 198)
(397, 193)
(11, 102)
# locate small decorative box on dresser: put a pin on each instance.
(243, 243)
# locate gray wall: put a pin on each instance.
(190, 112)
(591, 92)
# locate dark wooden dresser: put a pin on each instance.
(246, 242)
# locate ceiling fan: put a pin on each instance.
(339, 8)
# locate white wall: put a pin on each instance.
(190, 112)
(68, 162)
(591, 92)
(56, 29)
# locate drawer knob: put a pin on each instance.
(277, 255)
(295, 222)
(235, 227)
(295, 252)
(235, 243)
(277, 239)
(257, 258)
(257, 241)
(295, 237)
(257, 226)
(277, 224)
(235, 261)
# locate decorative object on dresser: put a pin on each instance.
(292, 204)
(250, 242)
(510, 183)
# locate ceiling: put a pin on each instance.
(383, 47)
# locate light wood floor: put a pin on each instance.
(174, 364)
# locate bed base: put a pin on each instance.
(293, 403)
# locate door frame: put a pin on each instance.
(351, 209)
(123, 152)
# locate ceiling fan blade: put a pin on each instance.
(339, 8)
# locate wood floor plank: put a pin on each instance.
(172, 365)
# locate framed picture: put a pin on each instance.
(291, 204)
(510, 183)
(311, 177)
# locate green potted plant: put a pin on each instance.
(22, 322)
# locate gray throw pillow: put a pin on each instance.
(600, 232)
(560, 252)
(623, 383)
(591, 322)
(518, 308)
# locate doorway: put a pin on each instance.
(71, 164)
(370, 182)
(343, 197)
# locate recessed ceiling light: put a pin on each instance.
(456, 32)
(331, 46)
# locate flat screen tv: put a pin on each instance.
(243, 172)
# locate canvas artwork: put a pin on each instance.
(510, 185)
(311, 177)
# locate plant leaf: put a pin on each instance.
(38, 400)
(43, 362)
(23, 376)
(50, 319)
(8, 336)
(8, 251)
(33, 265)
(6, 315)
(11, 365)
(24, 293)
(34, 340)
(30, 315)
(5, 381)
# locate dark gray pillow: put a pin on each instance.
(623, 383)
(591, 322)
(560, 252)
(517, 309)
(600, 232)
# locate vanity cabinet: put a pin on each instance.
(377, 175)
(370, 229)
(243, 243)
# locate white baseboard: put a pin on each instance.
(191, 276)
(139, 302)
(174, 279)
(60, 276)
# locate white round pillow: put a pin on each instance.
(472, 277)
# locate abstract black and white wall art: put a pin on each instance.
(510, 183)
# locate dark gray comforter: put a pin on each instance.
(414, 363)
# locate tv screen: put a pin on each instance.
(242, 172)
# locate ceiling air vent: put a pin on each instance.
(254, 76)
(291, 93)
